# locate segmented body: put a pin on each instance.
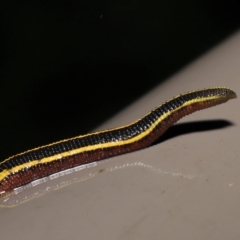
(43, 161)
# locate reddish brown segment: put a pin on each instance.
(105, 144)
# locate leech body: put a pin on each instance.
(40, 162)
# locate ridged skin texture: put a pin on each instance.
(44, 161)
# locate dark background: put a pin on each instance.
(66, 66)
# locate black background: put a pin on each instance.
(66, 66)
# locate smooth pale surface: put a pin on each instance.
(187, 187)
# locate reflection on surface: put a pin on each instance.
(67, 177)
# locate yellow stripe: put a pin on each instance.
(117, 128)
(5, 173)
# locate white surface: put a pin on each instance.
(187, 187)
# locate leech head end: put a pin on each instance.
(228, 93)
(233, 95)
